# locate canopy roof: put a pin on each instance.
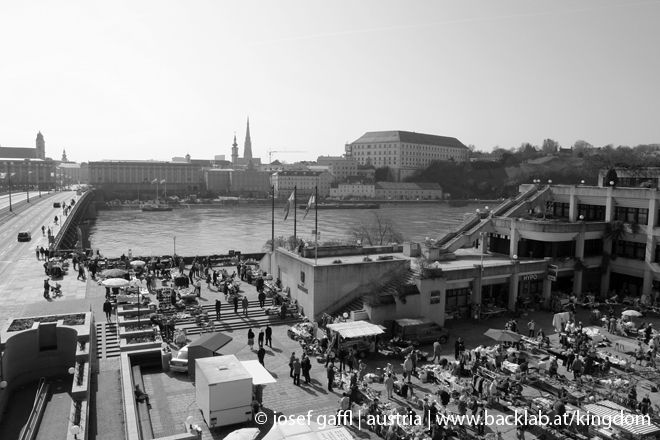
(356, 329)
(260, 375)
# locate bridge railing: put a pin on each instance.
(76, 212)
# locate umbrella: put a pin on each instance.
(115, 282)
(113, 273)
(632, 313)
(137, 263)
(243, 434)
(503, 335)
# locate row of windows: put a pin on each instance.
(637, 215)
(597, 213)
(458, 298)
(409, 147)
(629, 249)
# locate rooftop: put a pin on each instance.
(409, 137)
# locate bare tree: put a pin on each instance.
(290, 244)
(381, 230)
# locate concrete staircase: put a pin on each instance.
(107, 340)
(353, 306)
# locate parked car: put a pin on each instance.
(57, 205)
(24, 236)
(419, 330)
(180, 362)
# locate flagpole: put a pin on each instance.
(295, 210)
(272, 224)
(316, 224)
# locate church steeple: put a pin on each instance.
(64, 159)
(41, 146)
(234, 151)
(247, 150)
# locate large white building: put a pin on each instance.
(339, 167)
(304, 182)
(405, 152)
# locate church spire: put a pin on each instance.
(234, 151)
(64, 158)
(247, 149)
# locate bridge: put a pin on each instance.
(67, 238)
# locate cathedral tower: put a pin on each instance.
(64, 158)
(41, 146)
(247, 150)
(234, 151)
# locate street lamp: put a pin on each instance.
(75, 430)
(174, 245)
(549, 182)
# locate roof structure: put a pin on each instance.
(356, 329)
(408, 186)
(18, 152)
(409, 137)
(300, 173)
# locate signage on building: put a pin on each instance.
(303, 288)
(552, 272)
(529, 277)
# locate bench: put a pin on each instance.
(142, 409)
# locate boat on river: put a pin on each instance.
(155, 207)
(343, 206)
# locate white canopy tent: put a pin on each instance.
(356, 329)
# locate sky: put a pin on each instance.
(159, 79)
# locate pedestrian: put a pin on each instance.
(296, 372)
(81, 272)
(42, 252)
(389, 385)
(261, 354)
(208, 281)
(331, 376)
(37, 252)
(198, 288)
(47, 288)
(218, 307)
(43, 231)
(260, 338)
(74, 261)
(306, 367)
(269, 336)
(408, 368)
(107, 308)
(251, 339)
(245, 305)
(236, 304)
(262, 299)
(459, 346)
(531, 325)
(291, 359)
(437, 351)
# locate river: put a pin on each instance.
(246, 228)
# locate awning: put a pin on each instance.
(260, 375)
(231, 347)
(621, 418)
(356, 329)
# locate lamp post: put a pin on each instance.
(174, 245)
(75, 430)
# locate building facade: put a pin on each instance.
(339, 167)
(24, 167)
(70, 173)
(408, 191)
(304, 181)
(353, 189)
(125, 179)
(550, 241)
(405, 152)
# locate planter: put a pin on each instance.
(82, 354)
(83, 406)
(79, 392)
(125, 346)
(123, 321)
(123, 333)
(133, 310)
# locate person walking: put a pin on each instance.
(260, 338)
(198, 288)
(262, 299)
(531, 325)
(245, 305)
(251, 339)
(43, 231)
(236, 304)
(47, 288)
(261, 354)
(107, 308)
(269, 336)
(218, 308)
(459, 346)
(81, 272)
(331, 376)
(296, 372)
(37, 252)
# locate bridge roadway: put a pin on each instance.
(21, 274)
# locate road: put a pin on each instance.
(40, 213)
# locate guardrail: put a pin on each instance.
(73, 218)
(31, 428)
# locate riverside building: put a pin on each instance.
(497, 257)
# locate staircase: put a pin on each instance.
(353, 306)
(107, 340)
(512, 202)
(256, 317)
(515, 210)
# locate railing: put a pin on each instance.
(73, 218)
(514, 201)
(468, 223)
(534, 197)
(31, 428)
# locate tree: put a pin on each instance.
(290, 244)
(583, 147)
(550, 147)
(617, 230)
(380, 231)
(383, 174)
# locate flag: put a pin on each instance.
(162, 182)
(154, 181)
(309, 205)
(289, 202)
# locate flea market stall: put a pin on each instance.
(353, 333)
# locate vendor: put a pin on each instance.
(552, 371)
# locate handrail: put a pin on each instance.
(468, 220)
(31, 428)
(534, 197)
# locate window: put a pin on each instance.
(457, 298)
(435, 296)
(629, 249)
(637, 215)
(592, 213)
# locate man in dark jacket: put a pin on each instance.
(331, 376)
(269, 336)
(107, 308)
(261, 354)
(236, 304)
(218, 307)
